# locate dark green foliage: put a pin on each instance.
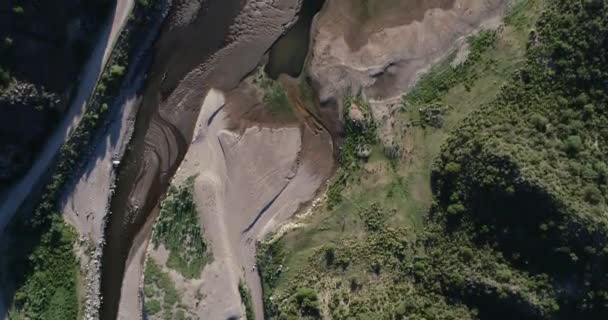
(43, 267)
(5, 77)
(357, 135)
(532, 164)
(152, 307)
(178, 229)
(49, 291)
(246, 300)
(374, 218)
(308, 302)
(270, 257)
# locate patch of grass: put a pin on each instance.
(372, 225)
(442, 77)
(162, 297)
(152, 307)
(275, 97)
(246, 300)
(178, 229)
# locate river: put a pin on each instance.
(228, 37)
(158, 145)
(289, 53)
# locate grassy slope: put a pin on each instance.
(402, 190)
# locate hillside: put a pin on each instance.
(508, 222)
(43, 46)
(300, 159)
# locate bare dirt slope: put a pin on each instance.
(381, 48)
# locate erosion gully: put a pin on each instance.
(157, 147)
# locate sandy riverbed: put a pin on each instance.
(253, 31)
(249, 181)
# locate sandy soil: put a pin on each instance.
(85, 204)
(12, 199)
(391, 47)
(259, 24)
(249, 181)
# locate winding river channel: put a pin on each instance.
(160, 138)
(201, 44)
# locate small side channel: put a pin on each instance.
(288, 54)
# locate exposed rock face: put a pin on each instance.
(382, 48)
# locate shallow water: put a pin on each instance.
(157, 146)
(288, 54)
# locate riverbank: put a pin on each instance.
(13, 198)
(183, 78)
(230, 157)
(85, 203)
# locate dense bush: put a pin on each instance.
(178, 229)
(531, 176)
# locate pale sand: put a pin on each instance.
(240, 176)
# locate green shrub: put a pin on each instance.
(246, 300)
(178, 229)
(5, 77)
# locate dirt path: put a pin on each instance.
(12, 200)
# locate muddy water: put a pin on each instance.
(158, 145)
(288, 54)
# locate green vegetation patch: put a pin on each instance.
(275, 97)
(246, 300)
(371, 251)
(162, 300)
(49, 292)
(178, 228)
(444, 76)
